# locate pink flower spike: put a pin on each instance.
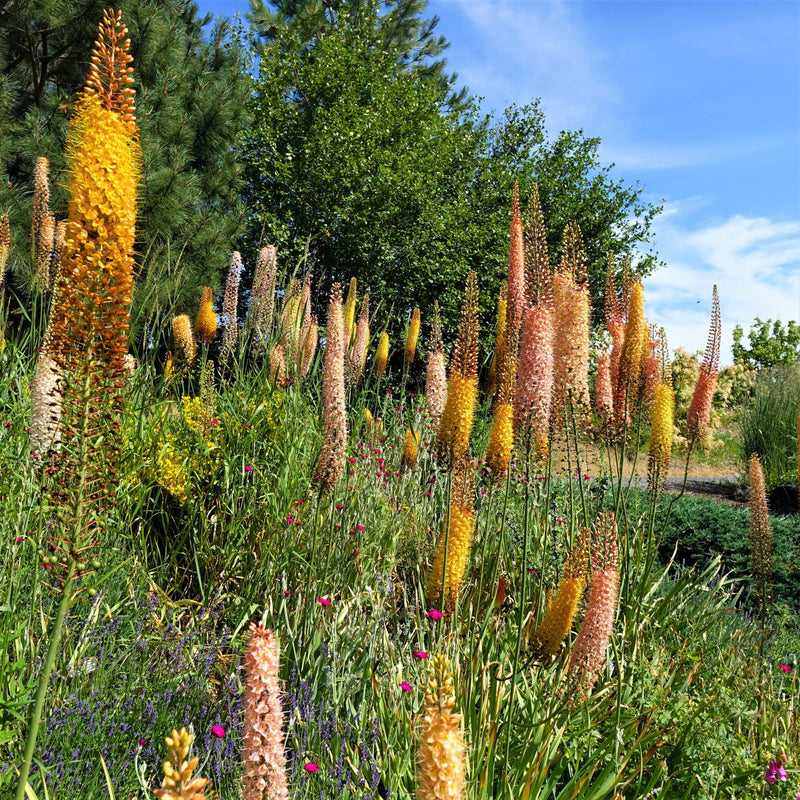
(248, 468)
(312, 767)
(420, 654)
(218, 731)
(323, 601)
(406, 687)
(435, 614)
(785, 667)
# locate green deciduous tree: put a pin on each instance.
(192, 92)
(356, 161)
(771, 345)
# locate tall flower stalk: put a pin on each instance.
(760, 536)
(441, 773)
(462, 388)
(436, 372)
(264, 755)
(179, 783)
(699, 412)
(331, 461)
(230, 304)
(89, 326)
(588, 653)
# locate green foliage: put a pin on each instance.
(191, 94)
(768, 424)
(356, 163)
(697, 528)
(769, 346)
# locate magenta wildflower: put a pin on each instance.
(784, 667)
(339, 508)
(142, 742)
(286, 591)
(420, 654)
(434, 614)
(218, 731)
(20, 539)
(248, 468)
(360, 528)
(406, 687)
(775, 771)
(323, 601)
(312, 767)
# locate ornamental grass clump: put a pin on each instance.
(462, 389)
(178, 782)
(89, 325)
(441, 773)
(557, 621)
(264, 755)
(760, 536)
(330, 463)
(588, 653)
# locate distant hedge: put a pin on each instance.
(702, 527)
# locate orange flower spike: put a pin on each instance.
(700, 408)
(516, 274)
(760, 535)
(410, 449)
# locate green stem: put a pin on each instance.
(44, 682)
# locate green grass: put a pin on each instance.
(691, 701)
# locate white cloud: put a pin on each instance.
(754, 261)
(520, 51)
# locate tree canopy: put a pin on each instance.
(355, 162)
(771, 345)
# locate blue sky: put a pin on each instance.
(698, 101)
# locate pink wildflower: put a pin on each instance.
(785, 667)
(406, 687)
(312, 767)
(248, 468)
(218, 731)
(421, 654)
(434, 614)
(323, 601)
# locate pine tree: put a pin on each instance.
(192, 89)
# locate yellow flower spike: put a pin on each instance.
(411, 339)
(205, 326)
(558, 618)
(349, 312)
(184, 341)
(382, 355)
(441, 773)
(410, 448)
(462, 390)
(633, 358)
(660, 437)
(501, 441)
(455, 542)
(178, 783)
